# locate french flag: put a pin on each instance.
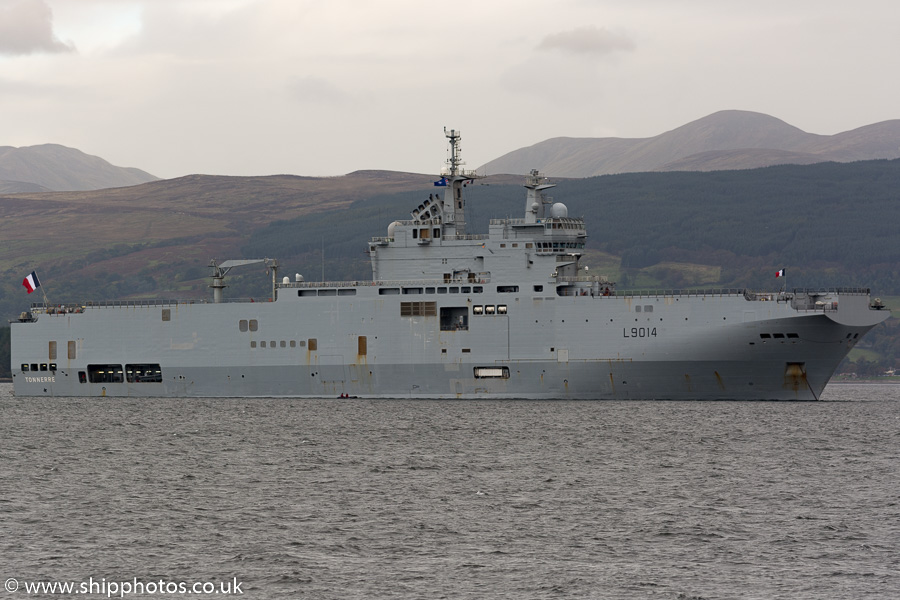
(31, 282)
(779, 273)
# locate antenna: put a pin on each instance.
(455, 161)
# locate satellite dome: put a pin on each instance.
(559, 211)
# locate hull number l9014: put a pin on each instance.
(639, 332)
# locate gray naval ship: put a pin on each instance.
(449, 314)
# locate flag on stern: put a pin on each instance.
(779, 273)
(31, 282)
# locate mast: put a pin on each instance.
(453, 203)
(535, 201)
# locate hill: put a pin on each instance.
(730, 139)
(188, 219)
(55, 167)
(828, 224)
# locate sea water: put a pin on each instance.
(353, 499)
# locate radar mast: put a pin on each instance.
(454, 177)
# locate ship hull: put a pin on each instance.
(367, 345)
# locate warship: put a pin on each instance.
(451, 314)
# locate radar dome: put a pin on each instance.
(559, 211)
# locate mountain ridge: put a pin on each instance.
(55, 167)
(728, 139)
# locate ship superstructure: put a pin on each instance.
(449, 314)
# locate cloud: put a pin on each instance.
(26, 27)
(587, 40)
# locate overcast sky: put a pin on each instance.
(326, 87)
